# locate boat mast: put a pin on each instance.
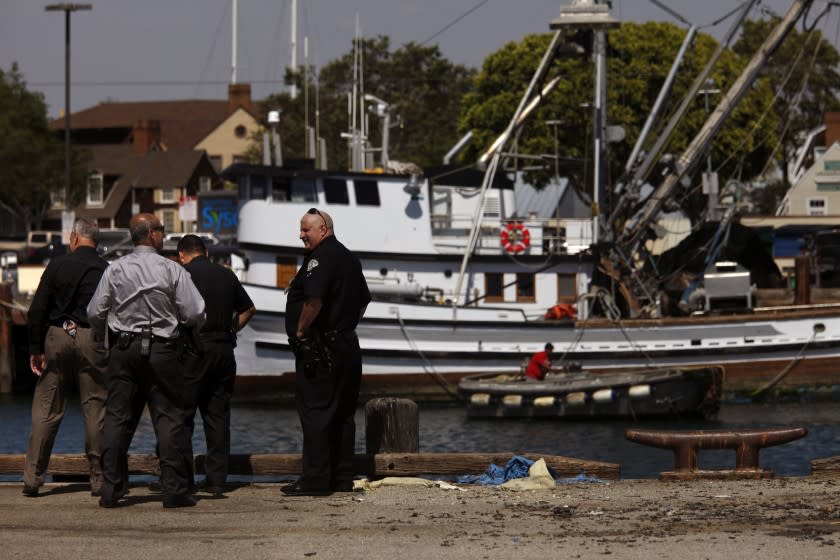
(580, 14)
(293, 34)
(233, 42)
(634, 236)
(643, 170)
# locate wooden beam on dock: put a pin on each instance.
(829, 467)
(384, 464)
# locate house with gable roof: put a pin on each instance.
(157, 156)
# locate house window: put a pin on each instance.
(94, 190)
(335, 191)
(205, 184)
(167, 194)
(240, 131)
(57, 198)
(167, 218)
(286, 270)
(817, 207)
(494, 287)
(367, 192)
(832, 165)
(566, 288)
(525, 292)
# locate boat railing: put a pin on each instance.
(518, 236)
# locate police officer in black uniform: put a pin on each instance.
(208, 385)
(326, 300)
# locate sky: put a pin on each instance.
(131, 50)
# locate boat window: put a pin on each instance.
(367, 192)
(280, 189)
(494, 288)
(566, 288)
(303, 190)
(335, 191)
(259, 184)
(525, 288)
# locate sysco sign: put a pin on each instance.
(218, 214)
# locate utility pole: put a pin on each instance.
(67, 8)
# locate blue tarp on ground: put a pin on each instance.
(516, 467)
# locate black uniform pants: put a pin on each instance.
(158, 380)
(208, 387)
(327, 407)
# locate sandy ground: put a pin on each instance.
(778, 518)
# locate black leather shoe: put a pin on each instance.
(30, 491)
(303, 489)
(109, 502)
(214, 490)
(183, 500)
(343, 486)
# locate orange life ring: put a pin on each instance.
(515, 237)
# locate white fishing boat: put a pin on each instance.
(464, 281)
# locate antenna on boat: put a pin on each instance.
(234, 11)
(293, 35)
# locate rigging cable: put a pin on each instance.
(787, 369)
(454, 21)
(207, 62)
(779, 91)
(427, 365)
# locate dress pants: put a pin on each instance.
(158, 380)
(68, 359)
(208, 387)
(327, 408)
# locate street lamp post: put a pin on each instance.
(67, 8)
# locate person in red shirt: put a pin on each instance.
(540, 364)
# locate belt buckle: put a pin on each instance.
(70, 328)
(124, 340)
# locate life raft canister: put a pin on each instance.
(515, 237)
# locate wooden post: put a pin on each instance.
(803, 280)
(6, 352)
(392, 426)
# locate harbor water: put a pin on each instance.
(275, 429)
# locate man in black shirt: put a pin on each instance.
(209, 384)
(326, 300)
(62, 350)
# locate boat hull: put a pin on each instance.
(425, 358)
(638, 394)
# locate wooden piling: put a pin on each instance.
(392, 426)
(802, 268)
(6, 351)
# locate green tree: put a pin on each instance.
(424, 91)
(639, 57)
(804, 72)
(31, 157)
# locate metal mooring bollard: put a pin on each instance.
(685, 445)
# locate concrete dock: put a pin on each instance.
(774, 518)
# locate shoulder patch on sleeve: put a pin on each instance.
(312, 265)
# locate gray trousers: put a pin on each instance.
(68, 359)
